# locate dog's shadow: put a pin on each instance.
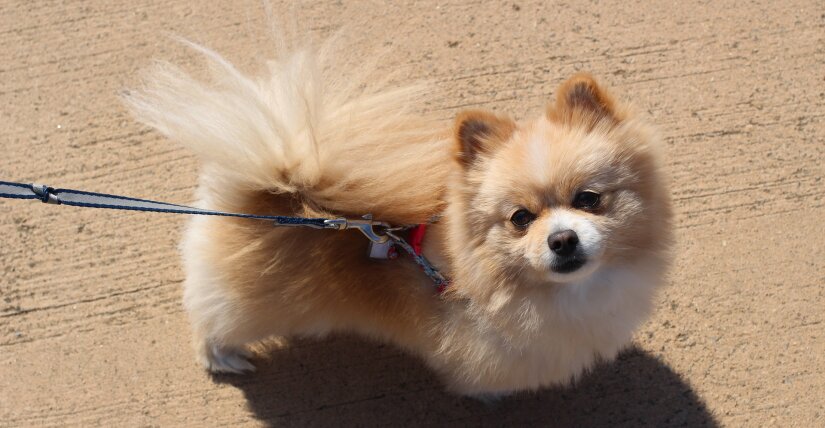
(344, 381)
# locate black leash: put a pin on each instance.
(79, 198)
(376, 231)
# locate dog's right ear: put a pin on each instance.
(479, 133)
(581, 100)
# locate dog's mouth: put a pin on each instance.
(568, 264)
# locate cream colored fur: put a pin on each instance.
(304, 140)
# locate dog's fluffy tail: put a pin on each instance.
(342, 143)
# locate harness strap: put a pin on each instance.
(414, 251)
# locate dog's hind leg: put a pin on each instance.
(223, 322)
(223, 359)
(220, 334)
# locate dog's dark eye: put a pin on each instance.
(586, 200)
(522, 218)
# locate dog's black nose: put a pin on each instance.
(563, 243)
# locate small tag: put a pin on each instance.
(383, 251)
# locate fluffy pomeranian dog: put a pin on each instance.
(555, 231)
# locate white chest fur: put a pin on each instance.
(527, 339)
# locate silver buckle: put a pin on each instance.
(366, 226)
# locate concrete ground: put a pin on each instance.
(91, 326)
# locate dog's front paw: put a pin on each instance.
(220, 359)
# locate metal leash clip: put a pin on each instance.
(365, 225)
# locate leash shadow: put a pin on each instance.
(346, 381)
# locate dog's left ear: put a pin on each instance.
(479, 133)
(582, 100)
